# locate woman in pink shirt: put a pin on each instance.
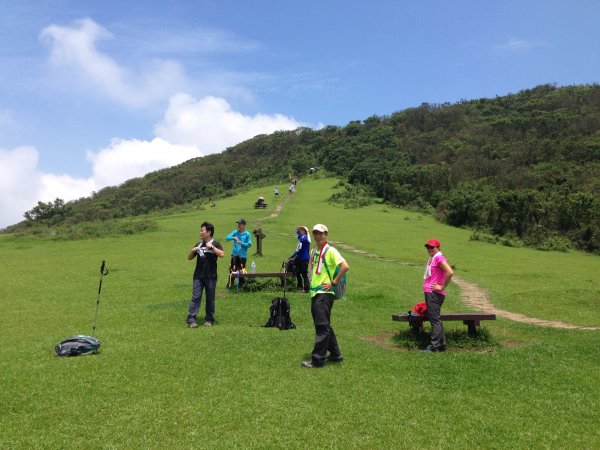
(436, 277)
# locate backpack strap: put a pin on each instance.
(325, 265)
(327, 269)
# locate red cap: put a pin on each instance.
(433, 243)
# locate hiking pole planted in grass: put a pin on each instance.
(80, 344)
(103, 271)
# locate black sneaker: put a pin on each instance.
(309, 365)
(335, 359)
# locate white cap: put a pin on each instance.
(320, 227)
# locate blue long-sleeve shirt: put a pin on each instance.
(303, 248)
(240, 249)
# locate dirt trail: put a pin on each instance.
(470, 294)
(277, 210)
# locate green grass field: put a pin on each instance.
(158, 384)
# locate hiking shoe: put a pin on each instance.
(335, 359)
(309, 365)
(192, 325)
(208, 323)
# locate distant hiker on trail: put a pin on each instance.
(323, 264)
(206, 253)
(436, 277)
(242, 241)
(302, 254)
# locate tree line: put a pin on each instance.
(524, 165)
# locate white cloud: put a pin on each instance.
(65, 187)
(211, 125)
(74, 48)
(125, 159)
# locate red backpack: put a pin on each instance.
(416, 322)
(420, 308)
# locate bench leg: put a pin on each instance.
(472, 327)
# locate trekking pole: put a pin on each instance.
(284, 282)
(103, 271)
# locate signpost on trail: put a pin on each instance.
(259, 237)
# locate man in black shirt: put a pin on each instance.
(206, 253)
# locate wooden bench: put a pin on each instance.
(281, 275)
(260, 205)
(471, 320)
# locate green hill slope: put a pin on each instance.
(158, 384)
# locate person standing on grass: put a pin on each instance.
(325, 262)
(206, 253)
(302, 255)
(436, 277)
(242, 241)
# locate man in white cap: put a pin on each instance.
(327, 268)
(302, 254)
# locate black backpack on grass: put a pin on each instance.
(279, 314)
(77, 345)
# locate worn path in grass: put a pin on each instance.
(470, 294)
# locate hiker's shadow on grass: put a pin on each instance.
(172, 305)
(456, 340)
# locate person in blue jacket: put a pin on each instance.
(302, 254)
(242, 241)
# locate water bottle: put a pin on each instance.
(253, 267)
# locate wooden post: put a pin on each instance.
(259, 237)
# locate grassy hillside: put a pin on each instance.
(158, 384)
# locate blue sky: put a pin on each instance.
(96, 92)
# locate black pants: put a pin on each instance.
(236, 263)
(325, 340)
(302, 276)
(201, 284)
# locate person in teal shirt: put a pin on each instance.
(242, 241)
